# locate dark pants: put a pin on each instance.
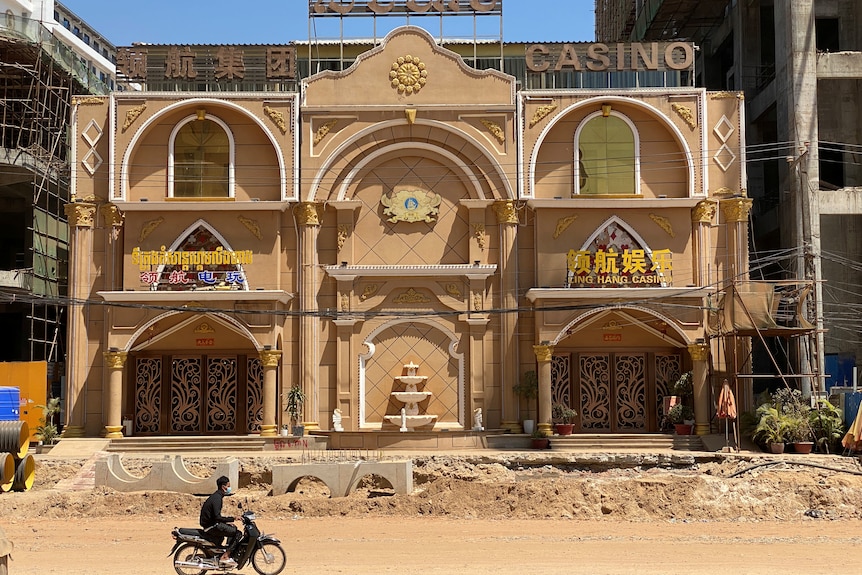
(226, 530)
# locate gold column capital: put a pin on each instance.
(115, 359)
(543, 352)
(506, 212)
(736, 209)
(308, 213)
(698, 351)
(270, 357)
(80, 215)
(703, 212)
(112, 215)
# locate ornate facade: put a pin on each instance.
(409, 211)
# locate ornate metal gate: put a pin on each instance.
(205, 394)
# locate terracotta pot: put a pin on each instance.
(541, 443)
(803, 446)
(776, 448)
(564, 428)
(682, 428)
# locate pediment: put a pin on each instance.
(409, 69)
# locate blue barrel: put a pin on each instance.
(10, 403)
(851, 407)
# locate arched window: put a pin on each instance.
(201, 159)
(606, 159)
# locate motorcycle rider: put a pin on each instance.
(213, 522)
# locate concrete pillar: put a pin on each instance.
(702, 216)
(699, 353)
(116, 361)
(308, 217)
(507, 219)
(81, 216)
(270, 359)
(544, 353)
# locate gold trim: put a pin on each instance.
(686, 114)
(410, 114)
(698, 351)
(703, 212)
(270, 357)
(204, 327)
(323, 130)
(132, 114)
(727, 95)
(277, 118)
(369, 291)
(477, 301)
(563, 224)
(251, 226)
(411, 206)
(411, 296)
(87, 101)
(663, 223)
(112, 215)
(115, 359)
(736, 209)
(452, 290)
(506, 212)
(541, 113)
(723, 191)
(80, 215)
(343, 232)
(307, 214)
(408, 74)
(543, 353)
(148, 228)
(480, 235)
(495, 130)
(612, 325)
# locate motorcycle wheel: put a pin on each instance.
(188, 552)
(268, 559)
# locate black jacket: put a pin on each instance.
(211, 511)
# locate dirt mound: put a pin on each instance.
(734, 490)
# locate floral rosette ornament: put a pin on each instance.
(408, 74)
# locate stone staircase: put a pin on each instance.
(627, 441)
(186, 444)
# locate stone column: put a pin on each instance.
(81, 217)
(114, 220)
(270, 359)
(544, 353)
(507, 219)
(699, 353)
(701, 218)
(115, 360)
(308, 216)
(735, 211)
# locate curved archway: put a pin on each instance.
(181, 129)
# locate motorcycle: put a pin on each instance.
(196, 552)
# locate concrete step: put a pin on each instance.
(185, 444)
(602, 442)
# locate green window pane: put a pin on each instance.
(201, 161)
(606, 157)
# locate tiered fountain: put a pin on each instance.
(411, 397)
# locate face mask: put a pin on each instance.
(227, 491)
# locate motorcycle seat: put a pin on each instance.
(213, 538)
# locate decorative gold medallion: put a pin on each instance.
(408, 74)
(411, 206)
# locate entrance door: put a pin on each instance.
(204, 395)
(612, 392)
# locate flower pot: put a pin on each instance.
(776, 448)
(541, 443)
(682, 428)
(803, 446)
(298, 430)
(529, 426)
(564, 428)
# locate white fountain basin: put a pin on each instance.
(411, 396)
(411, 420)
(412, 379)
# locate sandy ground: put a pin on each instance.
(466, 517)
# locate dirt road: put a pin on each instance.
(414, 546)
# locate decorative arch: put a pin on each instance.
(325, 169)
(567, 329)
(219, 317)
(191, 103)
(659, 116)
(231, 180)
(636, 159)
(452, 350)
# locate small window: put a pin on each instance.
(201, 160)
(87, 39)
(66, 23)
(95, 46)
(827, 31)
(56, 16)
(77, 31)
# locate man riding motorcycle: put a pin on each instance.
(215, 523)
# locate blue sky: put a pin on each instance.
(279, 21)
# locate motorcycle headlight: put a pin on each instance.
(251, 516)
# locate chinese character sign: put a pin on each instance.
(629, 268)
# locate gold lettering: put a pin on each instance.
(568, 57)
(531, 58)
(599, 61)
(688, 56)
(639, 54)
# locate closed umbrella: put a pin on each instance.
(727, 411)
(853, 438)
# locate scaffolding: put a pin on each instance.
(38, 77)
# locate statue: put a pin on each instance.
(336, 420)
(477, 419)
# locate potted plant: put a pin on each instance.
(528, 388)
(684, 386)
(772, 428)
(678, 415)
(827, 425)
(796, 411)
(564, 419)
(540, 440)
(46, 429)
(295, 398)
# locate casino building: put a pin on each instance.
(410, 232)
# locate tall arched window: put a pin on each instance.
(201, 159)
(606, 156)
